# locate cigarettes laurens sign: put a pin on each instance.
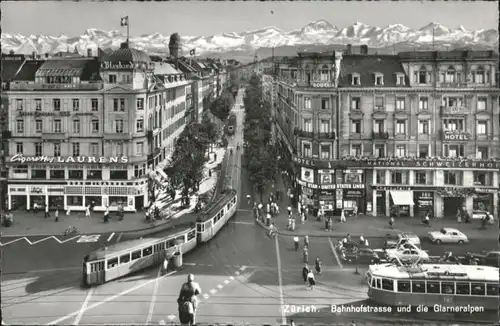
(19, 158)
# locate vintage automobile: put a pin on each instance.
(363, 256)
(411, 255)
(402, 238)
(448, 235)
(491, 258)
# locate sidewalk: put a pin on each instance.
(28, 223)
(370, 226)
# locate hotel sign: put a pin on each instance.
(19, 158)
(44, 114)
(403, 163)
(126, 65)
(456, 136)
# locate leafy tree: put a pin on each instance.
(209, 128)
(222, 106)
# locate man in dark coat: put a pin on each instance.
(305, 271)
(188, 293)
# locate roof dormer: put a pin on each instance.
(400, 79)
(355, 79)
(378, 78)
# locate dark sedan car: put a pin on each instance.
(362, 256)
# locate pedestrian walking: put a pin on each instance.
(296, 243)
(310, 280)
(293, 223)
(35, 208)
(47, 214)
(106, 215)
(165, 265)
(318, 264)
(299, 208)
(268, 219)
(391, 223)
(56, 216)
(87, 211)
(302, 218)
(342, 216)
(427, 220)
(327, 224)
(306, 241)
(249, 199)
(305, 255)
(305, 272)
(289, 226)
(289, 209)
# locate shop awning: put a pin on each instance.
(402, 197)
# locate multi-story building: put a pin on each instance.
(416, 131)
(86, 130)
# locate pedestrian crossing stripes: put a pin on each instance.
(89, 238)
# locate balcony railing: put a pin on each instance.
(38, 86)
(326, 135)
(302, 133)
(451, 110)
(379, 108)
(452, 84)
(380, 135)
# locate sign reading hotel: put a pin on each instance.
(456, 136)
(19, 158)
(404, 163)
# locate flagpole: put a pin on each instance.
(128, 28)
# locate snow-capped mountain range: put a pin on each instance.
(320, 32)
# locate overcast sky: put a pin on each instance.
(192, 18)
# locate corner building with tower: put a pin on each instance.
(87, 129)
(389, 135)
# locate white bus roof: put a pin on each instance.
(437, 272)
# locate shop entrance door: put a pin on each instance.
(139, 202)
(451, 205)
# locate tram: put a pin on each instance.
(448, 286)
(123, 258)
(231, 125)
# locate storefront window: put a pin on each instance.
(483, 203)
(56, 174)
(20, 172)
(56, 202)
(38, 174)
(117, 200)
(118, 175)
(94, 174)
(75, 174)
(93, 200)
(75, 200)
(424, 202)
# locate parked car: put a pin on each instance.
(402, 238)
(491, 258)
(406, 255)
(448, 235)
(363, 256)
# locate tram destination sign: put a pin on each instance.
(436, 163)
(19, 158)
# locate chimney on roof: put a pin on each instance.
(348, 50)
(33, 55)
(89, 53)
(11, 52)
(46, 55)
(364, 49)
(124, 45)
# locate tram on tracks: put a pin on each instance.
(118, 260)
(446, 286)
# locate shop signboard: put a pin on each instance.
(486, 190)
(330, 186)
(121, 65)
(19, 158)
(44, 114)
(436, 163)
(455, 135)
(322, 84)
(354, 193)
(36, 190)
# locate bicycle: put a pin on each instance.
(72, 230)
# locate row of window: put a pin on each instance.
(41, 173)
(145, 252)
(424, 126)
(378, 79)
(435, 287)
(452, 75)
(426, 177)
(401, 150)
(75, 149)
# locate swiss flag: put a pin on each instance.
(124, 21)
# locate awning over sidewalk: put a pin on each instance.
(402, 197)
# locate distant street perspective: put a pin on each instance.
(333, 176)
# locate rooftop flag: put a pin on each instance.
(124, 21)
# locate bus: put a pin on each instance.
(429, 285)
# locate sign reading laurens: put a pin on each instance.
(19, 158)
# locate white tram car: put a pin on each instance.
(115, 261)
(433, 284)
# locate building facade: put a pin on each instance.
(87, 130)
(409, 133)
